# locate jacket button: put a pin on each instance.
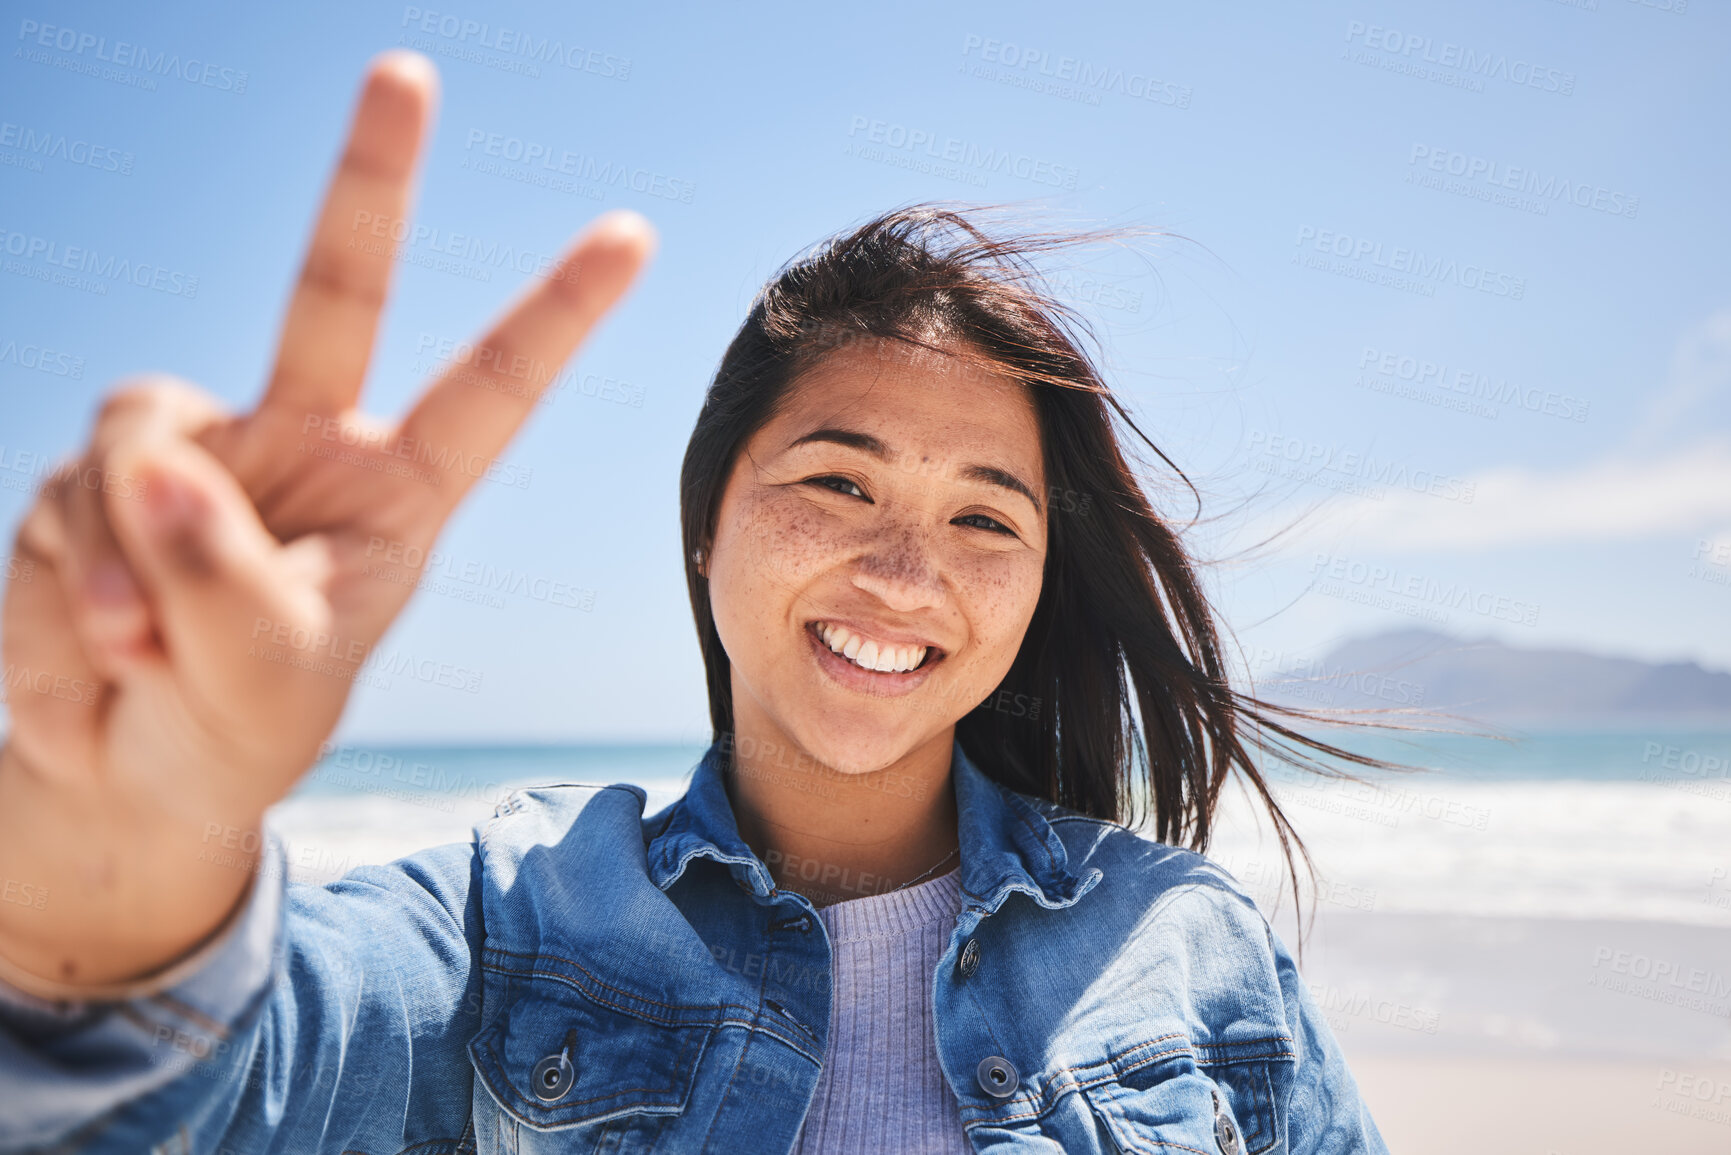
(1225, 1134)
(552, 1078)
(997, 1076)
(969, 961)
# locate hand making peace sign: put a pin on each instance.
(188, 601)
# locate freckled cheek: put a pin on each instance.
(765, 541)
(998, 596)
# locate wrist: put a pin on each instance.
(117, 887)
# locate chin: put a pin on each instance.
(858, 741)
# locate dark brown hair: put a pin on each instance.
(1123, 648)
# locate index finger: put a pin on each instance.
(474, 408)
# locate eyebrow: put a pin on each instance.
(989, 474)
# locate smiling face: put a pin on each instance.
(892, 510)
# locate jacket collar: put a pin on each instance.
(1007, 844)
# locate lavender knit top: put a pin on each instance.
(882, 1089)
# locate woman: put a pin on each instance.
(894, 911)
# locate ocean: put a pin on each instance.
(1620, 824)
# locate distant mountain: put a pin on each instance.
(1486, 679)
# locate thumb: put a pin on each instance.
(216, 578)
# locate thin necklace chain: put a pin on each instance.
(917, 877)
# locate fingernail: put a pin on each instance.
(169, 502)
(624, 224)
(407, 62)
(110, 584)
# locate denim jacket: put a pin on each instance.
(580, 977)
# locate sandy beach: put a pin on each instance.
(1497, 1034)
(1493, 1104)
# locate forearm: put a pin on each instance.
(101, 889)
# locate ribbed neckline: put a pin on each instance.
(894, 913)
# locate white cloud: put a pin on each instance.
(1621, 498)
(1637, 492)
(1700, 369)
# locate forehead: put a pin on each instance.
(916, 401)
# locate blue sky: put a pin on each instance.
(1440, 288)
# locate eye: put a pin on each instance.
(839, 484)
(990, 524)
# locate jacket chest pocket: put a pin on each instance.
(568, 1072)
(1218, 1109)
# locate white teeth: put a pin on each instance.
(870, 654)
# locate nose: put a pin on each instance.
(901, 573)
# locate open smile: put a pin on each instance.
(876, 665)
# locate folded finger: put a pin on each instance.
(52, 685)
(108, 609)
